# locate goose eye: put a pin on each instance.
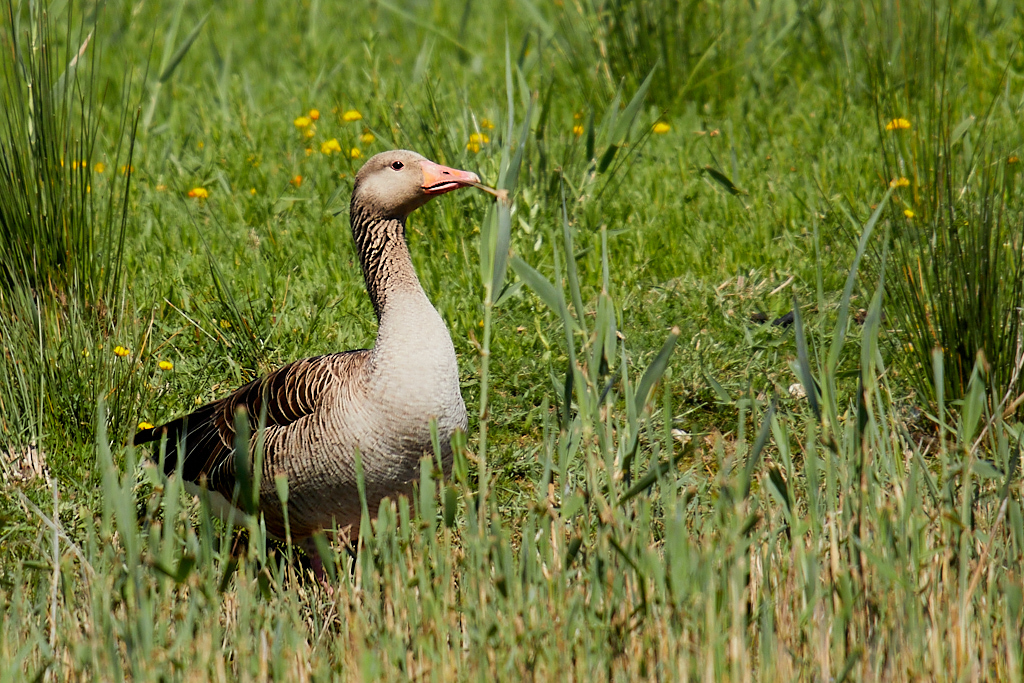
(397, 165)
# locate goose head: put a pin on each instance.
(396, 183)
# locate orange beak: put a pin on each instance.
(438, 179)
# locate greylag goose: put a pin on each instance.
(320, 410)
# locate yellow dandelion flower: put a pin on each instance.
(303, 122)
(314, 114)
(199, 193)
(899, 182)
(296, 181)
(121, 351)
(898, 124)
(351, 115)
(661, 128)
(165, 365)
(908, 213)
(486, 124)
(252, 191)
(367, 138)
(99, 167)
(354, 153)
(330, 146)
(577, 130)
(145, 425)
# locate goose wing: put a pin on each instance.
(286, 395)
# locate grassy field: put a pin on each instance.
(657, 483)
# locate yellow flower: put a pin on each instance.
(121, 351)
(126, 169)
(577, 130)
(165, 365)
(225, 324)
(475, 140)
(252, 191)
(661, 128)
(330, 146)
(899, 182)
(351, 115)
(367, 138)
(303, 122)
(486, 124)
(99, 167)
(309, 151)
(314, 114)
(145, 425)
(355, 153)
(296, 181)
(898, 124)
(199, 193)
(1014, 159)
(578, 116)
(908, 213)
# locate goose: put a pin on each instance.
(319, 411)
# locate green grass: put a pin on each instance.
(717, 527)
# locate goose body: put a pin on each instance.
(320, 411)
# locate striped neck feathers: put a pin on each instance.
(383, 255)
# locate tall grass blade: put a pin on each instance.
(655, 371)
(175, 59)
(842, 318)
(806, 377)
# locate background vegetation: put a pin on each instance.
(663, 484)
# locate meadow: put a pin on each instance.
(742, 356)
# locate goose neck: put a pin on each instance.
(387, 265)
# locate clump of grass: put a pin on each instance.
(63, 217)
(57, 237)
(957, 222)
